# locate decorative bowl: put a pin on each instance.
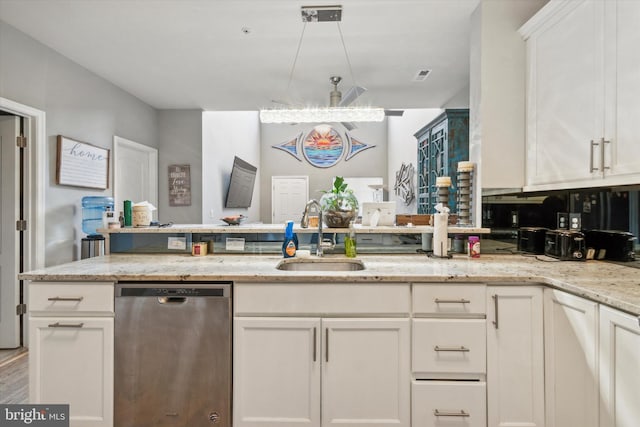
(233, 220)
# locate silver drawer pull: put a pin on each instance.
(462, 413)
(66, 325)
(452, 301)
(76, 299)
(461, 348)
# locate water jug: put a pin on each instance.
(92, 209)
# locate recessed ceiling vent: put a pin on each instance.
(321, 13)
(421, 75)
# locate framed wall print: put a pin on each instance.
(80, 164)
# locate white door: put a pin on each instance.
(619, 368)
(515, 357)
(135, 173)
(571, 360)
(366, 372)
(276, 372)
(9, 284)
(289, 195)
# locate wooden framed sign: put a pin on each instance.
(81, 165)
(179, 185)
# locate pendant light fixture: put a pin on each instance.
(338, 109)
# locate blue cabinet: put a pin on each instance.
(441, 145)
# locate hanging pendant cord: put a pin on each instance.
(295, 60)
(344, 47)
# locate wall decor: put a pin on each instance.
(179, 185)
(291, 147)
(355, 146)
(80, 164)
(404, 183)
(323, 146)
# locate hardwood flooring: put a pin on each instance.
(14, 376)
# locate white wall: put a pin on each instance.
(79, 105)
(403, 147)
(226, 134)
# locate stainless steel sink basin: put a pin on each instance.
(320, 264)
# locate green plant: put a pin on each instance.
(339, 198)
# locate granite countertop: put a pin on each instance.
(611, 284)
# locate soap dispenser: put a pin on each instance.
(290, 244)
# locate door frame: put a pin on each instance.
(153, 155)
(273, 181)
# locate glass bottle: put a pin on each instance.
(350, 242)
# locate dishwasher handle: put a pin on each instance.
(172, 292)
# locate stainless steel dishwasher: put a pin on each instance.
(172, 354)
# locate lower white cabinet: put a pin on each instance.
(571, 360)
(515, 357)
(356, 370)
(71, 362)
(619, 368)
(448, 403)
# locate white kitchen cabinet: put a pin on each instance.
(365, 372)
(515, 356)
(582, 94)
(287, 368)
(448, 404)
(571, 360)
(276, 372)
(619, 368)
(71, 349)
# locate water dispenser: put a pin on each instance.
(93, 209)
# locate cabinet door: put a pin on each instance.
(622, 65)
(565, 107)
(571, 360)
(71, 362)
(365, 373)
(276, 372)
(515, 357)
(619, 368)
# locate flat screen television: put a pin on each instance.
(241, 183)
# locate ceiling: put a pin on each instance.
(238, 54)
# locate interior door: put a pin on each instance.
(135, 173)
(289, 195)
(9, 284)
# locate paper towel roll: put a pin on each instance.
(440, 238)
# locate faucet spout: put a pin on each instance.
(305, 222)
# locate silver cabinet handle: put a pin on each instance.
(326, 354)
(461, 348)
(76, 299)
(462, 413)
(66, 325)
(604, 141)
(495, 305)
(593, 144)
(315, 349)
(451, 301)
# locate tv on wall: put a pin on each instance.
(241, 183)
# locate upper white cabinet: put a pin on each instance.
(619, 368)
(571, 360)
(583, 94)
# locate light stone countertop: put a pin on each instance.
(611, 284)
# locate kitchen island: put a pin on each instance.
(460, 338)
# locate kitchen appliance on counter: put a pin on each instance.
(612, 245)
(531, 239)
(172, 354)
(566, 245)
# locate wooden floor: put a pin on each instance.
(14, 379)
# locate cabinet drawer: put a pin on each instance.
(46, 298)
(320, 299)
(448, 403)
(454, 346)
(449, 299)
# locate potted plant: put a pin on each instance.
(339, 205)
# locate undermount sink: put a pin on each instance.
(320, 264)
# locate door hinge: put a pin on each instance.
(21, 225)
(21, 309)
(21, 141)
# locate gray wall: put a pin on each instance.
(369, 163)
(79, 105)
(180, 143)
